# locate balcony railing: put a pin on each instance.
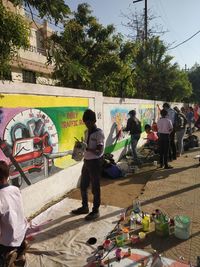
(35, 49)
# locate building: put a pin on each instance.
(30, 66)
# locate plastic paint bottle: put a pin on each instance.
(145, 224)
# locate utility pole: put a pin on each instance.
(145, 18)
(145, 21)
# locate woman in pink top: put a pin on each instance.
(152, 136)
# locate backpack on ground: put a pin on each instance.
(112, 172)
(190, 142)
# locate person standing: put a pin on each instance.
(13, 225)
(92, 166)
(171, 114)
(165, 127)
(180, 128)
(190, 119)
(134, 128)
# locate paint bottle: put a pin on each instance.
(132, 223)
(145, 224)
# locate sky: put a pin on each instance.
(179, 18)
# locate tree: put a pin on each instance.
(90, 56)
(155, 76)
(52, 9)
(14, 33)
(194, 78)
(14, 30)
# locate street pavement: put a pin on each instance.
(176, 192)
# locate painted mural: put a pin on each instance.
(38, 133)
(146, 114)
(116, 138)
(119, 117)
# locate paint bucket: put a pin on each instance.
(120, 240)
(182, 227)
(162, 228)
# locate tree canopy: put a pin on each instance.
(52, 9)
(194, 78)
(155, 76)
(90, 56)
(14, 29)
(14, 34)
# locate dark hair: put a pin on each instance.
(147, 127)
(4, 170)
(163, 113)
(177, 109)
(89, 115)
(166, 105)
(132, 112)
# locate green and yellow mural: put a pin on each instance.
(38, 128)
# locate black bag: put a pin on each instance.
(190, 142)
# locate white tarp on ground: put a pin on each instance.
(60, 238)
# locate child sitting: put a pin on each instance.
(152, 137)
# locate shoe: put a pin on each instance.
(11, 258)
(168, 167)
(81, 210)
(92, 216)
(20, 261)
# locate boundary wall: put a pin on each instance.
(37, 120)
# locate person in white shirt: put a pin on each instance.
(171, 114)
(165, 127)
(92, 167)
(13, 224)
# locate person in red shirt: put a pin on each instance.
(152, 136)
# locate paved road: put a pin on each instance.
(176, 192)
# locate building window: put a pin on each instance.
(29, 76)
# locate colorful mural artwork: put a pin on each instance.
(119, 117)
(147, 114)
(116, 138)
(39, 130)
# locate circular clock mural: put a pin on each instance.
(32, 136)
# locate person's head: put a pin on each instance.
(191, 109)
(89, 118)
(4, 172)
(183, 110)
(163, 113)
(132, 113)
(166, 106)
(147, 128)
(177, 109)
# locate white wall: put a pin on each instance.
(40, 193)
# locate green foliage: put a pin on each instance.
(14, 34)
(56, 9)
(155, 76)
(194, 78)
(90, 56)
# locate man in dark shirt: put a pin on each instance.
(134, 128)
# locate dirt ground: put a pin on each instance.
(122, 191)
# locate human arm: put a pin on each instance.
(96, 143)
(128, 126)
